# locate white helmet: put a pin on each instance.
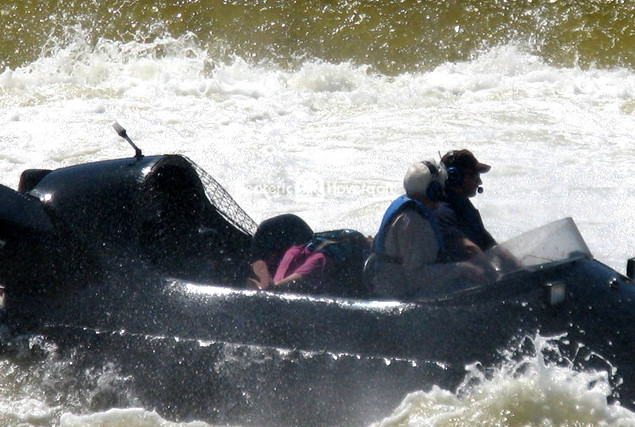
(425, 179)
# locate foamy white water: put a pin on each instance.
(528, 389)
(559, 139)
(331, 143)
(527, 392)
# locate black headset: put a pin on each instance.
(434, 192)
(455, 176)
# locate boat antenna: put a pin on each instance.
(122, 133)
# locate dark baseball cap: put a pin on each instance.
(464, 161)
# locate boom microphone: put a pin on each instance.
(479, 190)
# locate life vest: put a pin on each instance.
(402, 203)
(346, 251)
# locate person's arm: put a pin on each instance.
(419, 249)
(264, 280)
(314, 264)
(292, 278)
(263, 277)
(457, 244)
(470, 249)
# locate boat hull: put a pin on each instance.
(191, 328)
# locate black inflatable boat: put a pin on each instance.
(154, 247)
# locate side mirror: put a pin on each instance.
(630, 268)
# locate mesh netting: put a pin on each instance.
(225, 204)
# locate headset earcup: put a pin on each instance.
(434, 192)
(455, 177)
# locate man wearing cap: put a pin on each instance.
(463, 182)
(408, 258)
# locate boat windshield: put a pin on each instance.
(550, 244)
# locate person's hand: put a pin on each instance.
(490, 270)
(510, 262)
(474, 273)
(260, 284)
